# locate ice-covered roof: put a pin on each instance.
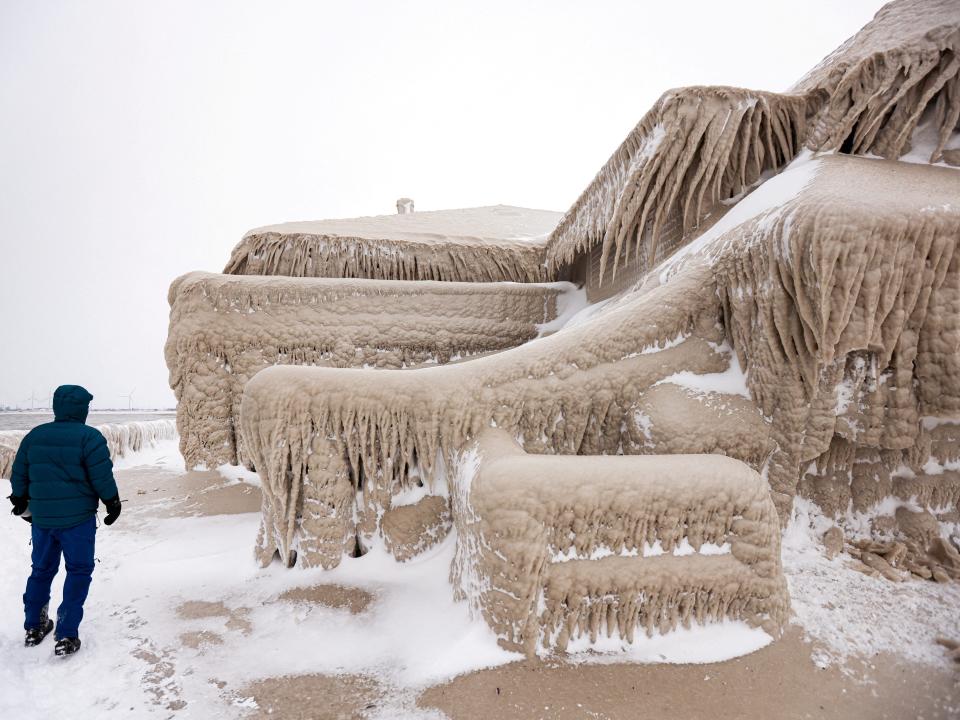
(491, 224)
(484, 244)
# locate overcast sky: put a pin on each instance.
(140, 140)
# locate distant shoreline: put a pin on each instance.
(97, 411)
(23, 420)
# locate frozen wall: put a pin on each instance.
(224, 329)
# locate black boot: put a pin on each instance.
(67, 646)
(36, 635)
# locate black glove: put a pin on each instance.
(113, 510)
(19, 504)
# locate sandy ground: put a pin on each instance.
(180, 663)
(163, 494)
(779, 681)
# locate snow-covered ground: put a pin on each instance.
(137, 658)
(134, 659)
(412, 635)
(850, 614)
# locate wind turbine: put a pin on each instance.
(32, 399)
(129, 397)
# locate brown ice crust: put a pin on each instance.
(409, 530)
(696, 147)
(843, 307)
(317, 435)
(122, 439)
(353, 599)
(224, 329)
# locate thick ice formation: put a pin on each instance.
(122, 439)
(589, 389)
(9, 442)
(792, 309)
(843, 304)
(699, 147)
(696, 147)
(595, 388)
(878, 86)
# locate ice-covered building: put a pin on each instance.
(757, 297)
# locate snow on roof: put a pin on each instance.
(484, 244)
(491, 224)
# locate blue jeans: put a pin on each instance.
(76, 544)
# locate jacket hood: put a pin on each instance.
(71, 402)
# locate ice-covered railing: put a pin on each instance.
(552, 550)
(130, 437)
(224, 329)
(9, 442)
(122, 439)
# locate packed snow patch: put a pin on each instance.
(698, 644)
(681, 549)
(732, 381)
(237, 474)
(164, 455)
(570, 302)
(412, 634)
(850, 614)
(923, 142)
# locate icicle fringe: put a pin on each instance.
(122, 439)
(696, 147)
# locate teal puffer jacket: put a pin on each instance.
(64, 466)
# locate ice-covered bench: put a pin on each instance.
(555, 548)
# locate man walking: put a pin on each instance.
(61, 473)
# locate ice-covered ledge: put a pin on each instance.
(554, 549)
